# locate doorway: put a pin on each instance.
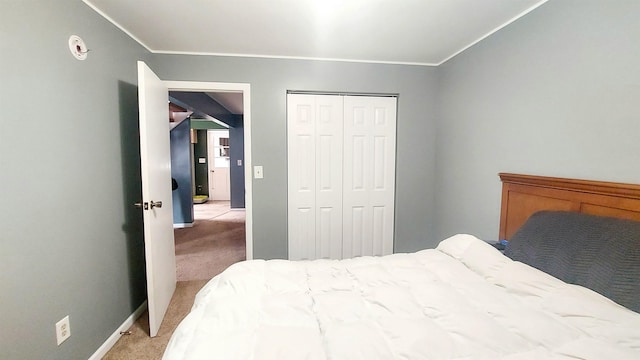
(156, 182)
(219, 165)
(245, 90)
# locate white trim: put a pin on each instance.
(283, 57)
(111, 341)
(341, 93)
(122, 28)
(248, 185)
(212, 119)
(493, 31)
(182, 225)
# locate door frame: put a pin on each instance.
(245, 89)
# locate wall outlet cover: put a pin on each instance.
(63, 330)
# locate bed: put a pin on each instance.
(462, 300)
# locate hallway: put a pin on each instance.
(216, 241)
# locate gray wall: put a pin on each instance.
(271, 78)
(181, 162)
(70, 242)
(236, 173)
(556, 93)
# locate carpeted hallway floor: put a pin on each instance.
(216, 241)
(210, 246)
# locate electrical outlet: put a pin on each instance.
(63, 330)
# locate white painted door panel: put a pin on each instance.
(218, 164)
(369, 175)
(156, 186)
(221, 188)
(301, 210)
(314, 138)
(329, 135)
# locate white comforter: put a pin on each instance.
(463, 300)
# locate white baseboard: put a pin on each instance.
(183, 225)
(104, 349)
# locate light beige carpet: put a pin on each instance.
(138, 345)
(202, 252)
(210, 246)
(210, 209)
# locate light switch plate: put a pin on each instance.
(257, 172)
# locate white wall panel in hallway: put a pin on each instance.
(340, 175)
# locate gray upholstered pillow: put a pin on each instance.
(600, 253)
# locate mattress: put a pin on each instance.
(462, 300)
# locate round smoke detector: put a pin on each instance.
(77, 47)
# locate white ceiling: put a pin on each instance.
(422, 32)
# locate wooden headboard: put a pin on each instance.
(523, 195)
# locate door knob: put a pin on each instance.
(155, 204)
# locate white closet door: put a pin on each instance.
(314, 141)
(369, 175)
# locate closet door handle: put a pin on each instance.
(156, 204)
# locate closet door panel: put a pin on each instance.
(358, 157)
(383, 192)
(369, 182)
(328, 163)
(314, 148)
(302, 237)
(353, 231)
(380, 215)
(301, 154)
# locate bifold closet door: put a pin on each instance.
(314, 155)
(369, 175)
(341, 175)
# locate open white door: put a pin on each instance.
(153, 97)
